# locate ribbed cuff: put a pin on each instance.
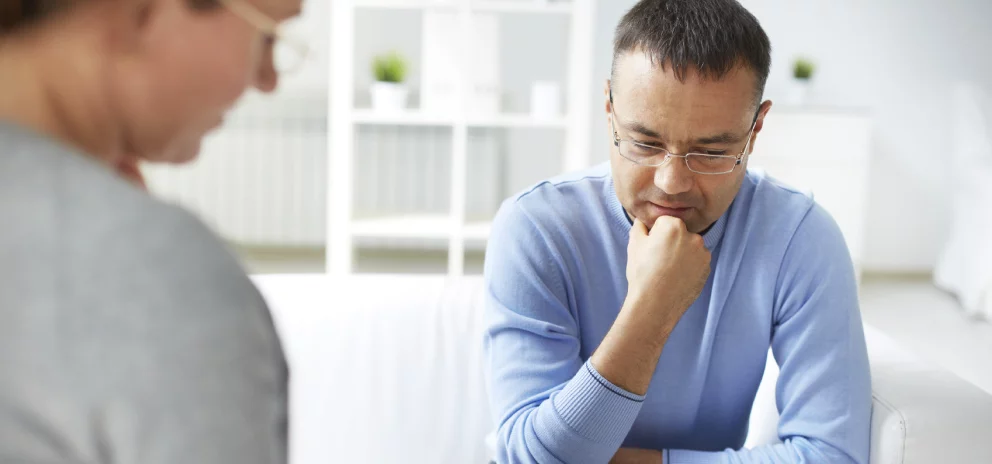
(595, 408)
(692, 457)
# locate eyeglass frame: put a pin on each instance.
(270, 29)
(668, 154)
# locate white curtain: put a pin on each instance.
(965, 266)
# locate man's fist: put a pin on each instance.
(666, 267)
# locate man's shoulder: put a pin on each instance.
(789, 215)
(559, 195)
(771, 206)
(554, 216)
(772, 192)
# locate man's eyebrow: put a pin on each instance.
(643, 130)
(721, 139)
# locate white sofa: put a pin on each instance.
(388, 369)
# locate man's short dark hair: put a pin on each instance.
(713, 36)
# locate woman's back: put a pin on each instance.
(128, 333)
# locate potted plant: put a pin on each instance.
(802, 73)
(389, 92)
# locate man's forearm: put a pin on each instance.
(629, 353)
(637, 456)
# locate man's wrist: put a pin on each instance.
(637, 456)
(651, 310)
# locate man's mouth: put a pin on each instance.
(679, 211)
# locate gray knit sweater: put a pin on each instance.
(128, 332)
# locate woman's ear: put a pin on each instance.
(131, 20)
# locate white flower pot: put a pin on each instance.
(798, 92)
(389, 96)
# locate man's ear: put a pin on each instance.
(762, 112)
(606, 97)
(759, 123)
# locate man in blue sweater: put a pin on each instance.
(630, 308)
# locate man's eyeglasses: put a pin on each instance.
(699, 163)
(288, 53)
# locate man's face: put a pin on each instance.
(651, 106)
(183, 69)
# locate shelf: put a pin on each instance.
(434, 226)
(429, 226)
(482, 6)
(403, 118)
(517, 6)
(417, 118)
(477, 230)
(405, 4)
(518, 121)
(459, 134)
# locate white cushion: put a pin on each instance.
(388, 369)
(383, 369)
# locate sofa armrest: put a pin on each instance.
(922, 413)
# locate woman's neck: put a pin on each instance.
(55, 82)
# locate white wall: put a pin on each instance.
(896, 58)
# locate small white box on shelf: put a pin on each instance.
(545, 100)
(441, 72)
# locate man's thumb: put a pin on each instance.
(639, 229)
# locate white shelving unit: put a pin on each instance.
(343, 229)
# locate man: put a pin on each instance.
(128, 332)
(631, 307)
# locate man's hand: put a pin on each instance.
(666, 267)
(666, 270)
(636, 456)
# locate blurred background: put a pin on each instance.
(394, 144)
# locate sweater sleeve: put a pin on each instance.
(823, 392)
(549, 405)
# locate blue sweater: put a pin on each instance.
(781, 278)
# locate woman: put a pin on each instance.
(128, 333)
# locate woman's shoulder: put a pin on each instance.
(97, 227)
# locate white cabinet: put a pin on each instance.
(825, 152)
